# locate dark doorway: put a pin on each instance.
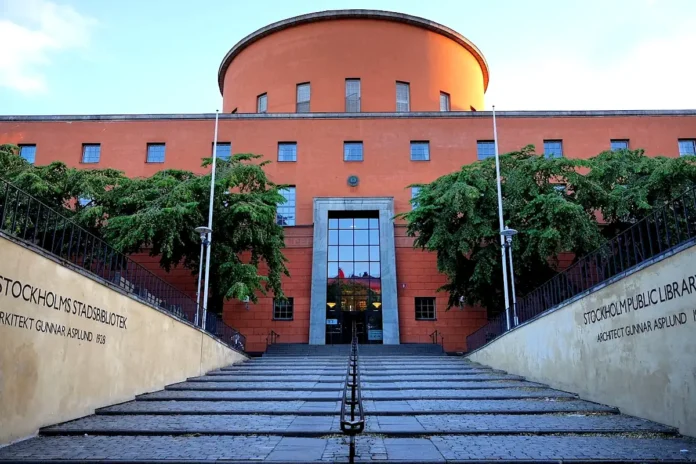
(354, 285)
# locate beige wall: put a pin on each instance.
(651, 374)
(47, 378)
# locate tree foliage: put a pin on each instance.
(554, 203)
(158, 214)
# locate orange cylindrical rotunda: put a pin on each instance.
(383, 50)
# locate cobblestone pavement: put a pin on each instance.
(419, 409)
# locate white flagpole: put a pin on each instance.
(210, 223)
(500, 218)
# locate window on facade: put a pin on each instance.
(687, 147)
(485, 149)
(262, 103)
(403, 98)
(444, 101)
(553, 148)
(155, 152)
(420, 151)
(287, 151)
(283, 309)
(303, 94)
(414, 193)
(223, 150)
(352, 95)
(619, 144)
(352, 151)
(425, 308)
(285, 215)
(91, 152)
(28, 152)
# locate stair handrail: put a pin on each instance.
(353, 421)
(437, 339)
(272, 338)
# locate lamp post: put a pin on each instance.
(210, 224)
(203, 231)
(508, 233)
(501, 223)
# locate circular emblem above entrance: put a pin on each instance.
(353, 181)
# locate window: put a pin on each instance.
(155, 153)
(91, 152)
(285, 215)
(403, 97)
(444, 101)
(84, 201)
(352, 151)
(420, 151)
(553, 148)
(352, 95)
(425, 308)
(223, 150)
(414, 193)
(303, 94)
(687, 147)
(287, 151)
(262, 103)
(28, 152)
(485, 149)
(619, 144)
(283, 309)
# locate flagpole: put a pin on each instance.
(210, 223)
(501, 223)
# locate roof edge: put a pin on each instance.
(311, 116)
(352, 14)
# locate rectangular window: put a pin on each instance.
(262, 103)
(283, 309)
(414, 193)
(444, 101)
(485, 149)
(352, 151)
(287, 151)
(223, 150)
(425, 308)
(420, 151)
(403, 97)
(28, 152)
(91, 152)
(155, 153)
(619, 144)
(553, 148)
(285, 216)
(352, 95)
(687, 147)
(303, 95)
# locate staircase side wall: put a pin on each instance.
(630, 344)
(70, 344)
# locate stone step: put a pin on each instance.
(381, 408)
(369, 448)
(260, 424)
(342, 371)
(234, 384)
(270, 395)
(507, 393)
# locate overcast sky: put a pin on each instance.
(162, 56)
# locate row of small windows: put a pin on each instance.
(353, 98)
(283, 310)
(352, 150)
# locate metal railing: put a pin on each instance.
(272, 338)
(436, 338)
(25, 218)
(668, 227)
(352, 413)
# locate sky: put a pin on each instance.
(162, 56)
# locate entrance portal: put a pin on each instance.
(354, 284)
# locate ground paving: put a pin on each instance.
(420, 408)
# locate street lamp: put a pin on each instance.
(203, 231)
(507, 234)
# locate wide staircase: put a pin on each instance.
(420, 406)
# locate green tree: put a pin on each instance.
(457, 217)
(160, 214)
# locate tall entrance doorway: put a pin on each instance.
(354, 283)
